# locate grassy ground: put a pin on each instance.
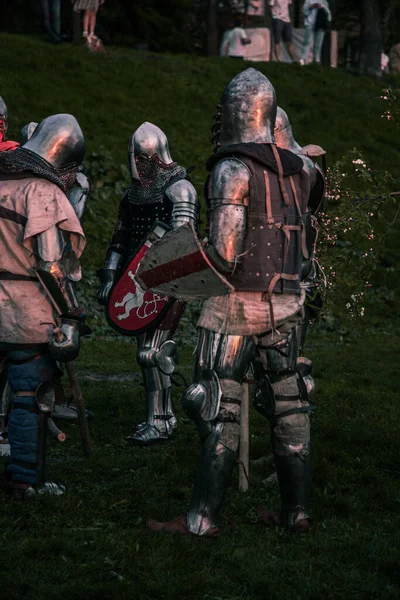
(93, 543)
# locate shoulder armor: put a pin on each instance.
(228, 195)
(310, 169)
(313, 150)
(182, 190)
(229, 183)
(185, 203)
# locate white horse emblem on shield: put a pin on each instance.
(135, 300)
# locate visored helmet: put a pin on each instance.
(27, 132)
(283, 132)
(59, 140)
(247, 110)
(148, 148)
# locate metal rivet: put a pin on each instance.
(253, 228)
(261, 226)
(268, 243)
(268, 257)
(267, 274)
(258, 274)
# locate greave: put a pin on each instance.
(212, 478)
(159, 409)
(161, 420)
(294, 474)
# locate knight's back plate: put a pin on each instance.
(130, 309)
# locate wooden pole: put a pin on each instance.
(244, 440)
(80, 407)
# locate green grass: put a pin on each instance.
(93, 543)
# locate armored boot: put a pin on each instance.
(161, 421)
(156, 354)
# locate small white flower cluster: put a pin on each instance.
(353, 307)
(361, 162)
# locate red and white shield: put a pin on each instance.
(132, 310)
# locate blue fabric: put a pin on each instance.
(22, 424)
(26, 377)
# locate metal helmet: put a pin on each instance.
(59, 140)
(148, 144)
(247, 110)
(283, 132)
(3, 120)
(27, 132)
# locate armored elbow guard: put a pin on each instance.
(185, 203)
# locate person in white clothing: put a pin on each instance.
(281, 27)
(234, 41)
(317, 19)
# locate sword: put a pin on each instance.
(73, 380)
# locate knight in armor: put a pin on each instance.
(41, 322)
(310, 273)
(256, 197)
(5, 144)
(159, 191)
(78, 195)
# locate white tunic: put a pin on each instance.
(28, 207)
(232, 42)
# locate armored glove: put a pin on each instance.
(107, 279)
(108, 275)
(65, 345)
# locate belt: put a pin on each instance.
(7, 276)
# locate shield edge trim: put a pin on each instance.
(206, 259)
(157, 320)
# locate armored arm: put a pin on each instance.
(79, 194)
(117, 249)
(185, 203)
(228, 192)
(57, 270)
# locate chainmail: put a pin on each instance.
(216, 128)
(155, 177)
(23, 160)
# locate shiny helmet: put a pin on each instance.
(59, 141)
(27, 132)
(3, 120)
(283, 132)
(246, 112)
(148, 152)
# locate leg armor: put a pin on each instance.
(213, 402)
(156, 354)
(30, 375)
(282, 397)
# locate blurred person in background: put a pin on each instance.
(52, 20)
(90, 8)
(394, 59)
(234, 40)
(317, 19)
(384, 64)
(281, 27)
